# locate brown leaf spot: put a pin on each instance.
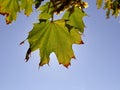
(81, 42)
(4, 13)
(40, 64)
(66, 65)
(8, 22)
(60, 63)
(28, 54)
(73, 57)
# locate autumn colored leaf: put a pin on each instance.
(54, 37)
(9, 8)
(75, 18)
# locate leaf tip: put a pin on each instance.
(42, 64)
(22, 42)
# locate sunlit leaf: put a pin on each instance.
(54, 37)
(75, 18)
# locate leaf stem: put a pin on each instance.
(52, 18)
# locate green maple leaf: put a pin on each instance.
(75, 18)
(9, 8)
(54, 37)
(26, 5)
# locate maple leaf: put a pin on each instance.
(9, 8)
(26, 5)
(54, 37)
(75, 16)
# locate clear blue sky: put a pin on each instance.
(97, 64)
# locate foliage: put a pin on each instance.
(112, 7)
(51, 35)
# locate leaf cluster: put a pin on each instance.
(112, 7)
(49, 35)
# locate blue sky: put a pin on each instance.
(97, 64)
